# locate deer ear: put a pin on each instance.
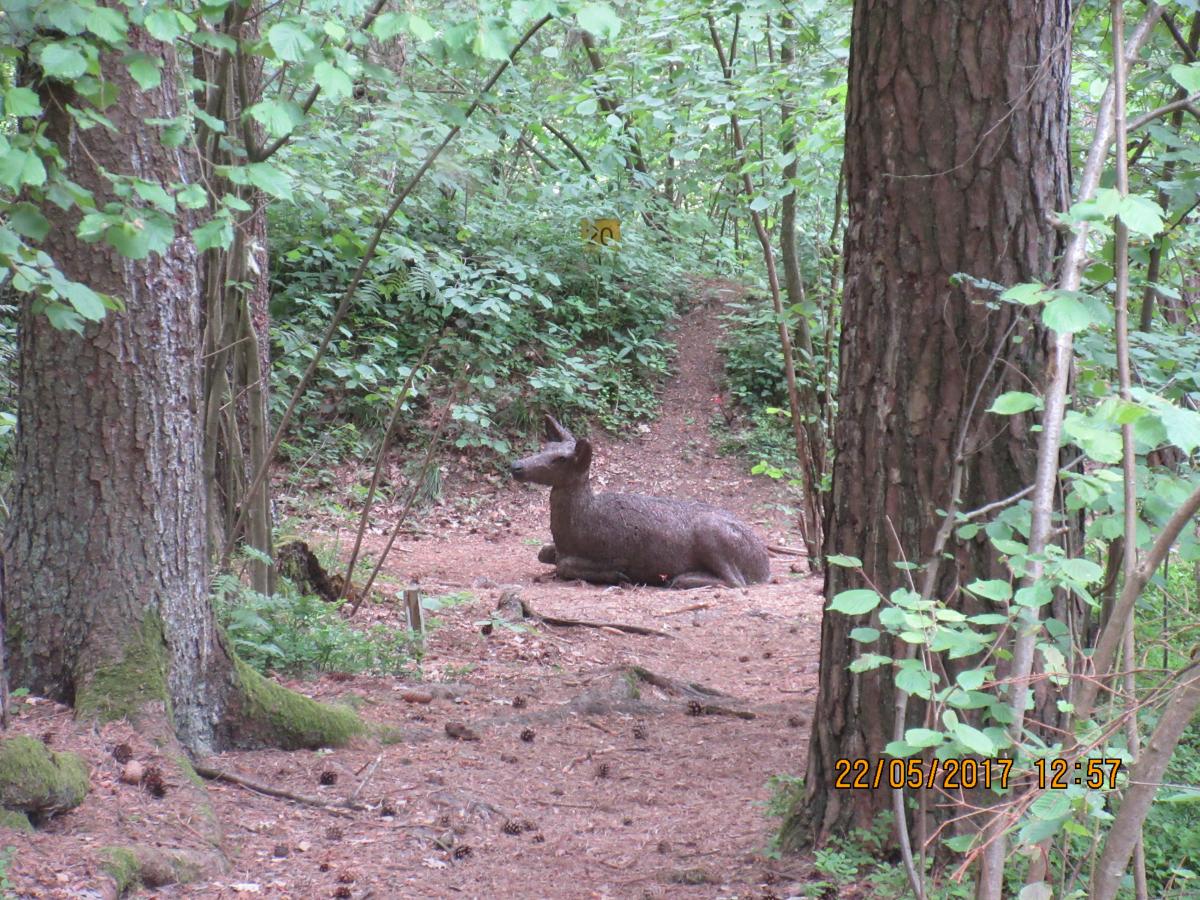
(583, 452)
(555, 432)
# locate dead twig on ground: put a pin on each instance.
(370, 772)
(336, 806)
(786, 551)
(529, 612)
(690, 608)
(712, 710)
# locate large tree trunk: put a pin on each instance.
(106, 557)
(956, 142)
(106, 550)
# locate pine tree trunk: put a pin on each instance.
(956, 143)
(106, 551)
(106, 559)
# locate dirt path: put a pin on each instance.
(585, 781)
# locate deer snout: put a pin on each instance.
(518, 470)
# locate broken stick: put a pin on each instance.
(529, 613)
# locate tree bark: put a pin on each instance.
(106, 550)
(106, 557)
(956, 143)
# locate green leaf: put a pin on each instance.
(20, 167)
(864, 635)
(216, 233)
(107, 24)
(148, 233)
(849, 562)
(1012, 402)
(1066, 315)
(1026, 294)
(64, 318)
(961, 843)
(145, 69)
(28, 220)
(154, 193)
(923, 737)
(85, 301)
(289, 41)
(991, 589)
(1082, 570)
(971, 679)
(759, 203)
(599, 19)
(490, 42)
(586, 107)
(855, 602)
(1182, 425)
(278, 117)
(913, 678)
(21, 101)
(420, 29)
(164, 25)
(212, 122)
(869, 661)
(900, 749)
(192, 197)
(1187, 77)
(269, 180)
(62, 61)
(1051, 805)
(973, 739)
(387, 25)
(1038, 594)
(333, 81)
(1141, 215)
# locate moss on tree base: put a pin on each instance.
(125, 689)
(139, 865)
(270, 715)
(38, 781)
(18, 821)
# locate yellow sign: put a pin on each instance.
(600, 231)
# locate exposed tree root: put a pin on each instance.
(689, 689)
(510, 600)
(141, 865)
(259, 787)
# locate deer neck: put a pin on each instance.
(568, 510)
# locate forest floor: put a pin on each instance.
(583, 780)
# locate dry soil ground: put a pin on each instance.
(585, 780)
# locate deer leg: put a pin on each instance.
(548, 554)
(578, 568)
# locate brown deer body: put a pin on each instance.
(615, 538)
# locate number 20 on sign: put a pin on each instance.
(599, 232)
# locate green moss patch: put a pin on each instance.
(122, 864)
(40, 781)
(123, 690)
(272, 715)
(18, 821)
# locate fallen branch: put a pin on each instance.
(370, 772)
(709, 709)
(690, 608)
(529, 613)
(672, 686)
(214, 774)
(786, 551)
